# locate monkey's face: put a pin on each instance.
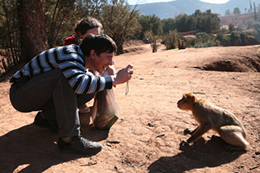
(186, 102)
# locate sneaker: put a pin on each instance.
(80, 145)
(45, 123)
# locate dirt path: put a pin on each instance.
(147, 135)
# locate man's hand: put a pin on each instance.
(123, 75)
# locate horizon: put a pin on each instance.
(134, 2)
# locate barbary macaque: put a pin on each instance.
(209, 116)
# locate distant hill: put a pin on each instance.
(170, 9)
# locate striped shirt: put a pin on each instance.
(70, 60)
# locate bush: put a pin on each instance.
(152, 39)
(171, 40)
(208, 43)
(203, 40)
(223, 39)
(221, 36)
(202, 35)
(235, 39)
(243, 37)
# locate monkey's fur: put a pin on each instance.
(212, 117)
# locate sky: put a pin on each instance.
(133, 2)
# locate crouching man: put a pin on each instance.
(57, 82)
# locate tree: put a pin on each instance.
(168, 25)
(231, 27)
(191, 23)
(185, 23)
(59, 15)
(120, 22)
(156, 25)
(144, 21)
(197, 13)
(181, 21)
(236, 11)
(152, 39)
(9, 35)
(227, 12)
(257, 30)
(32, 28)
(208, 21)
(150, 23)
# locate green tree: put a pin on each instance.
(168, 25)
(236, 11)
(231, 27)
(197, 13)
(228, 12)
(150, 23)
(144, 21)
(181, 22)
(191, 23)
(185, 23)
(156, 25)
(208, 21)
(119, 22)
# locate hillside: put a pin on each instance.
(170, 9)
(147, 136)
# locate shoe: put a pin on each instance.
(45, 123)
(80, 145)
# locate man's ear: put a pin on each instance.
(92, 53)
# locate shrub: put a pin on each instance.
(243, 37)
(171, 40)
(223, 39)
(202, 35)
(235, 39)
(152, 39)
(208, 43)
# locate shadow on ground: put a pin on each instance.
(34, 149)
(199, 155)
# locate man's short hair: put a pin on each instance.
(99, 43)
(87, 23)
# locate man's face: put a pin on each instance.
(102, 61)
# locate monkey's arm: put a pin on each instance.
(202, 128)
(187, 131)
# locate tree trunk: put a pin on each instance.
(120, 49)
(32, 28)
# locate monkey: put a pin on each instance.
(209, 116)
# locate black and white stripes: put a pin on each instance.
(70, 60)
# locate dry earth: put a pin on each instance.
(147, 136)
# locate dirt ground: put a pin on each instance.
(148, 133)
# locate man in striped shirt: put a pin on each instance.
(57, 81)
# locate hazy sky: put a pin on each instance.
(133, 2)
